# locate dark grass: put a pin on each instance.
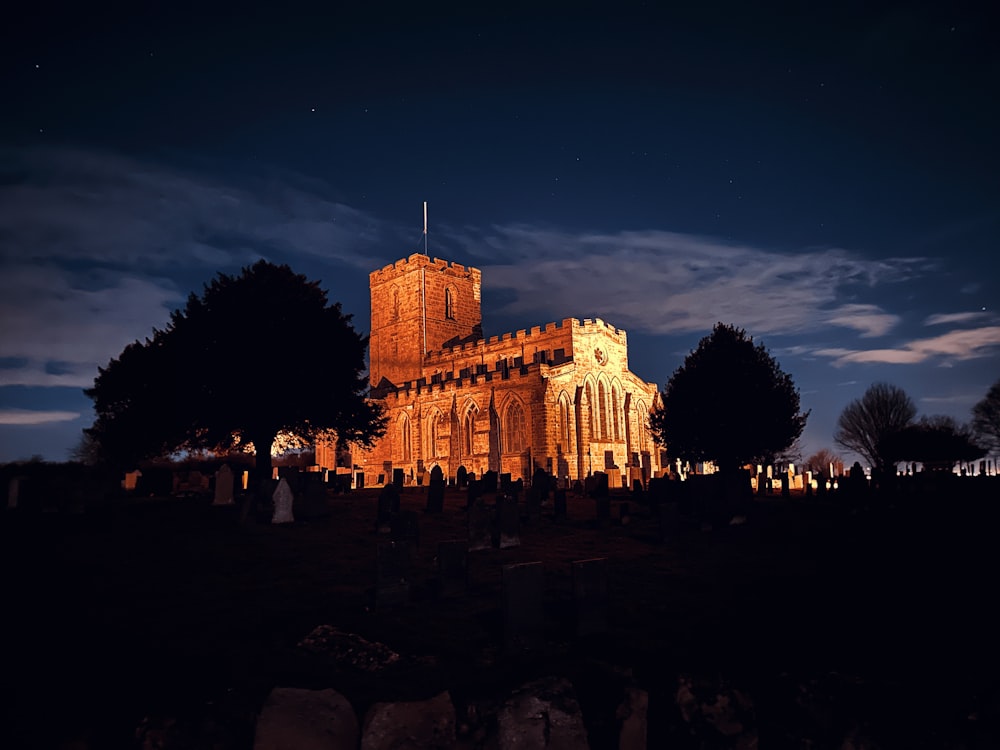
(171, 607)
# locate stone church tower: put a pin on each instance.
(420, 305)
(560, 398)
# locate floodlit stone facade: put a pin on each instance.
(560, 397)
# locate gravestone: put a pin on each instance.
(474, 493)
(437, 474)
(397, 478)
(590, 595)
(600, 484)
(405, 527)
(223, 486)
(435, 496)
(509, 519)
(462, 476)
(480, 526)
(282, 499)
(453, 567)
(559, 504)
(505, 482)
(523, 606)
(489, 482)
(392, 575)
(388, 505)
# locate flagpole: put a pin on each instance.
(425, 227)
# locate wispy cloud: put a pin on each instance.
(79, 205)
(31, 417)
(950, 318)
(665, 282)
(92, 246)
(953, 346)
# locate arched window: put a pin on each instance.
(642, 425)
(591, 411)
(616, 412)
(514, 433)
(469, 432)
(404, 438)
(434, 423)
(563, 424)
(449, 305)
(602, 398)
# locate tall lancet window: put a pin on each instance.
(404, 438)
(514, 436)
(449, 305)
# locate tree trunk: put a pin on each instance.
(258, 493)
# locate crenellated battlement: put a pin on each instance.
(418, 261)
(449, 382)
(537, 336)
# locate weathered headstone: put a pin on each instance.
(295, 717)
(224, 486)
(388, 505)
(397, 478)
(523, 606)
(505, 482)
(408, 724)
(405, 527)
(600, 484)
(437, 474)
(489, 482)
(590, 595)
(282, 499)
(509, 521)
(559, 504)
(544, 713)
(480, 526)
(435, 496)
(392, 575)
(462, 476)
(453, 567)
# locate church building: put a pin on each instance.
(560, 397)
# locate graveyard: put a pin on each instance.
(813, 621)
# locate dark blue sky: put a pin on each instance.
(825, 178)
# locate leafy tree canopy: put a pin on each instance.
(729, 402)
(986, 419)
(256, 354)
(868, 425)
(938, 442)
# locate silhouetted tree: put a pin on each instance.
(256, 354)
(729, 402)
(820, 461)
(867, 425)
(937, 442)
(986, 419)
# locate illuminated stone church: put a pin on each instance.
(560, 397)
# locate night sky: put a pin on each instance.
(827, 180)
